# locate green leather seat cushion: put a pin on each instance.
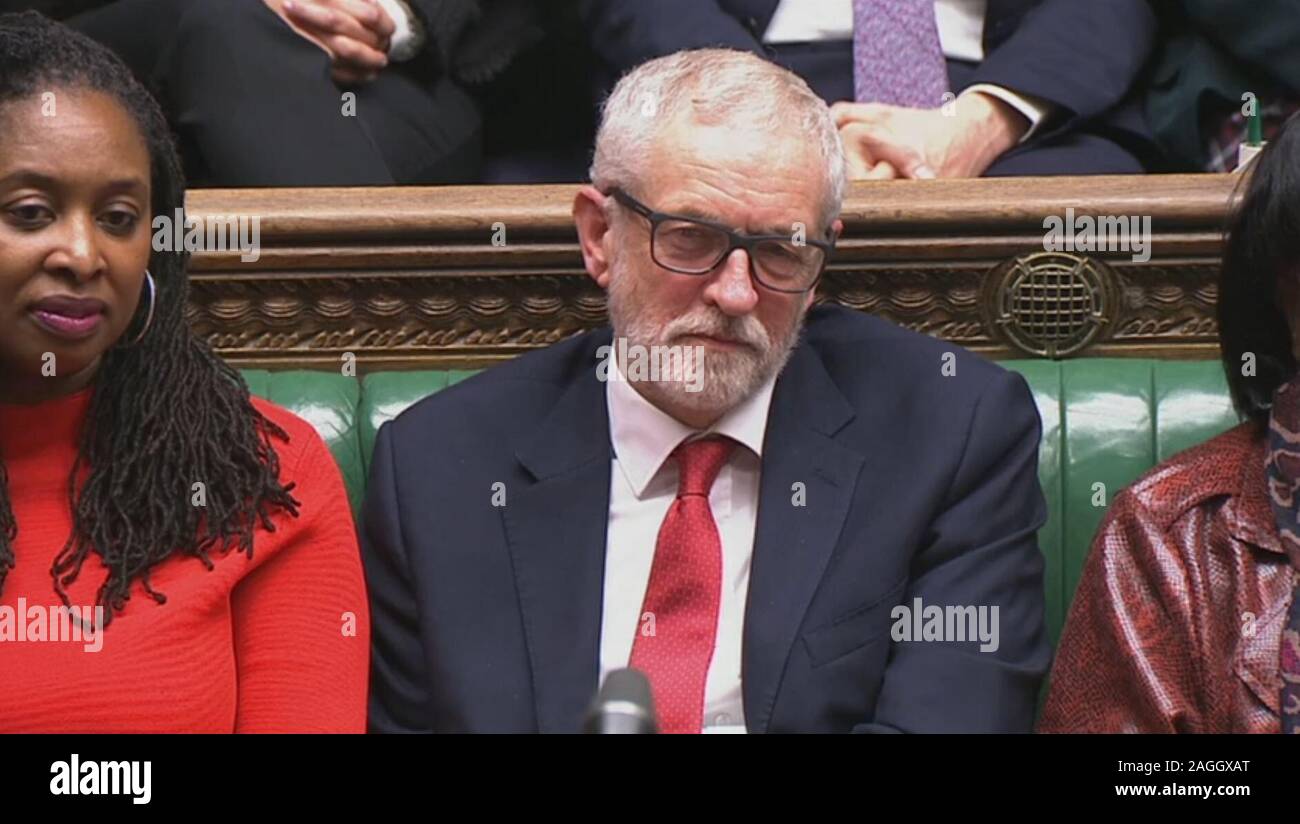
(1105, 422)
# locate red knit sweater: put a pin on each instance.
(276, 643)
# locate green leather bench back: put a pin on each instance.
(1105, 422)
(328, 401)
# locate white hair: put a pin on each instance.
(714, 87)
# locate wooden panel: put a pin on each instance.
(412, 277)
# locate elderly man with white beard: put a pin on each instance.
(750, 526)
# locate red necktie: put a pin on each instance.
(678, 625)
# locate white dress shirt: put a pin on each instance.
(961, 24)
(961, 35)
(643, 484)
(404, 43)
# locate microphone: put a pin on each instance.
(624, 705)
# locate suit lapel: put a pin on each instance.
(760, 12)
(793, 544)
(556, 529)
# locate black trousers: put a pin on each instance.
(252, 102)
(828, 68)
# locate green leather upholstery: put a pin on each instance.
(1105, 421)
(329, 402)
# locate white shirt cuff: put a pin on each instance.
(404, 45)
(1034, 109)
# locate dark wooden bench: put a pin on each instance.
(412, 277)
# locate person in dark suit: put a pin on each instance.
(1042, 87)
(1217, 59)
(316, 92)
(789, 526)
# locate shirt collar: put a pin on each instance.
(1252, 519)
(643, 435)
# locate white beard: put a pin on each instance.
(729, 377)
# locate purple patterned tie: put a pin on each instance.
(897, 58)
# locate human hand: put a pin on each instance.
(356, 34)
(962, 139)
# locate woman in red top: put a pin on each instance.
(133, 461)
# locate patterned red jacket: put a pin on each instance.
(1177, 620)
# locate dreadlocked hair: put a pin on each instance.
(165, 412)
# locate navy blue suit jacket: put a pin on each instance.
(917, 484)
(1082, 55)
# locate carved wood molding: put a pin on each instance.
(464, 276)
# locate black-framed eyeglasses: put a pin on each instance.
(691, 246)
